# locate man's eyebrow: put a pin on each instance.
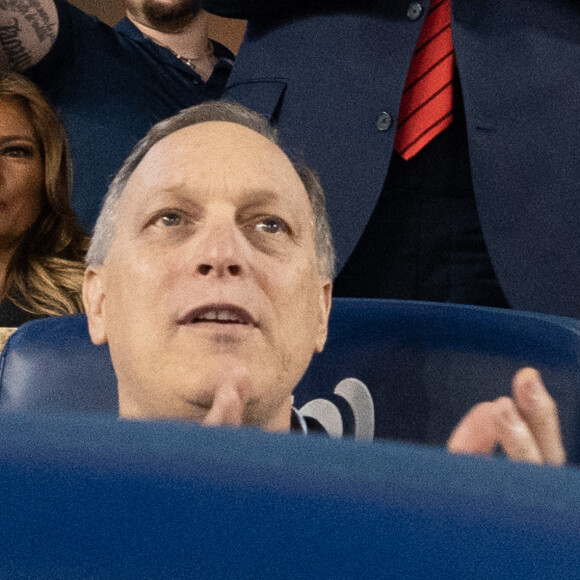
(165, 198)
(171, 193)
(258, 196)
(255, 197)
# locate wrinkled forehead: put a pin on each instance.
(214, 154)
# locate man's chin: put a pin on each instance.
(169, 18)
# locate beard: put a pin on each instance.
(170, 17)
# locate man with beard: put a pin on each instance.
(111, 85)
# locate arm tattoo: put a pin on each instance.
(11, 40)
(14, 50)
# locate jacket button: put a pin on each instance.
(414, 11)
(384, 122)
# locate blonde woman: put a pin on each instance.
(41, 245)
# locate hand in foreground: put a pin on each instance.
(525, 425)
(228, 402)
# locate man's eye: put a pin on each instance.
(272, 226)
(171, 219)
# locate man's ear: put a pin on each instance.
(324, 313)
(94, 302)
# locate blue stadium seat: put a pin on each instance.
(426, 364)
(92, 497)
(50, 365)
(391, 369)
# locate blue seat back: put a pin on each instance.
(92, 497)
(426, 364)
(418, 367)
(50, 365)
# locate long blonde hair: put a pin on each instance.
(45, 273)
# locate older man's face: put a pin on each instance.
(212, 280)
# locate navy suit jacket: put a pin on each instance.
(331, 75)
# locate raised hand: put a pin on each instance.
(526, 424)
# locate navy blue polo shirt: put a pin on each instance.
(110, 86)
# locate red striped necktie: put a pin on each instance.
(427, 103)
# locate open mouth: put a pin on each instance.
(219, 314)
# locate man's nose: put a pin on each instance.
(232, 269)
(220, 251)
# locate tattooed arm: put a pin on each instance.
(28, 29)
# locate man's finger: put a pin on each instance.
(540, 413)
(514, 435)
(227, 409)
(476, 432)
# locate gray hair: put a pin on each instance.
(210, 111)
